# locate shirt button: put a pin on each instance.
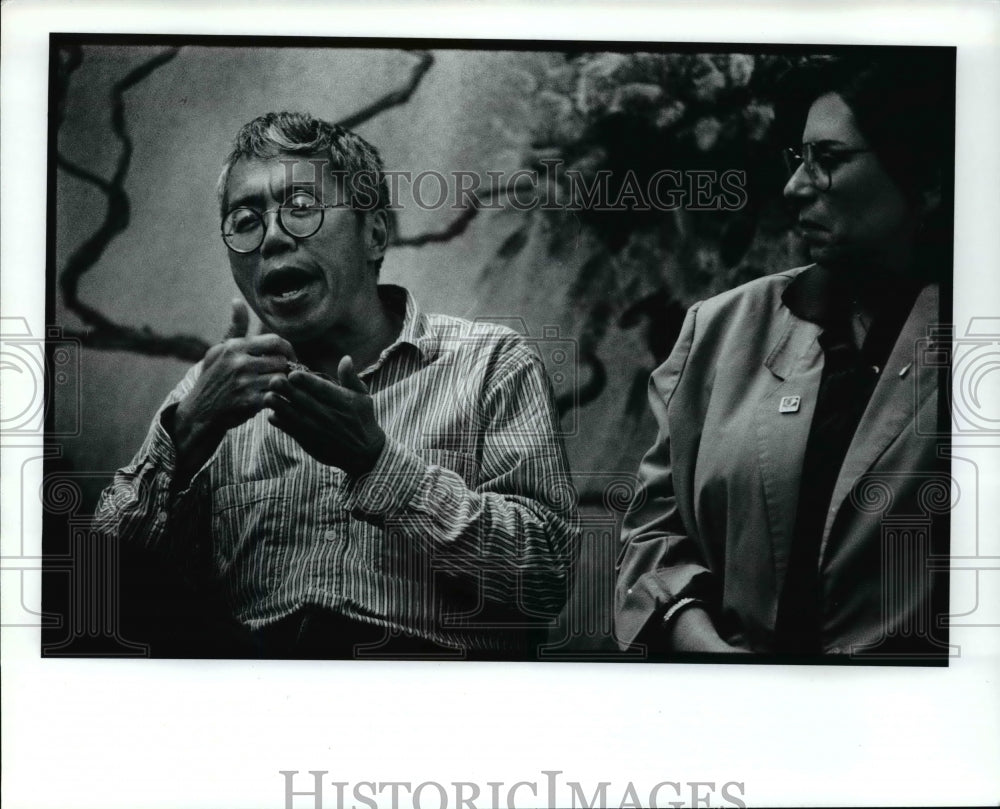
(329, 536)
(161, 517)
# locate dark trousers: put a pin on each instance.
(316, 633)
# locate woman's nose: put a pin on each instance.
(800, 184)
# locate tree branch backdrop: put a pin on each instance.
(140, 275)
(142, 278)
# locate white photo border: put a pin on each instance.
(115, 733)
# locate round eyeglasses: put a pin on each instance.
(300, 217)
(819, 159)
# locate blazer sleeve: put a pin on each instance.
(660, 561)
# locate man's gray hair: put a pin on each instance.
(299, 133)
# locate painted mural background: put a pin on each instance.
(139, 274)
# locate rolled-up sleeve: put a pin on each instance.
(144, 504)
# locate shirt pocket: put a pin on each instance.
(391, 549)
(251, 523)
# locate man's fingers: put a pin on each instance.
(269, 344)
(289, 416)
(349, 377)
(239, 325)
(319, 390)
(313, 398)
(287, 424)
(261, 383)
(266, 365)
(278, 403)
(288, 396)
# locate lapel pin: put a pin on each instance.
(906, 368)
(789, 404)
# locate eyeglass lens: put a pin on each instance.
(243, 228)
(817, 174)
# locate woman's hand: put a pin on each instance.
(693, 631)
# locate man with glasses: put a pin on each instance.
(362, 478)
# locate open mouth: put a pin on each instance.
(285, 284)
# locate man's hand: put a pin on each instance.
(693, 631)
(234, 379)
(333, 423)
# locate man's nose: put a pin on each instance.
(275, 238)
(800, 184)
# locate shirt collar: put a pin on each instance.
(827, 298)
(414, 331)
(814, 295)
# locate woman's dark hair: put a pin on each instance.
(903, 101)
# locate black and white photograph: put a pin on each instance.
(681, 396)
(462, 370)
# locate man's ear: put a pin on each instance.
(376, 234)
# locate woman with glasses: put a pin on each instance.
(795, 499)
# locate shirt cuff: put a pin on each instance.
(163, 452)
(389, 487)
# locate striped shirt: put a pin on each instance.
(463, 533)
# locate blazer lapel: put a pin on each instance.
(893, 404)
(796, 364)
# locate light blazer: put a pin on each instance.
(716, 506)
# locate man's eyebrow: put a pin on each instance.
(244, 200)
(285, 190)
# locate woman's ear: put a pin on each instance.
(930, 196)
(930, 200)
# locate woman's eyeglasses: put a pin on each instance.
(820, 160)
